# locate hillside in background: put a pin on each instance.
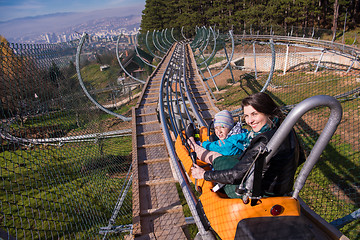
(26, 30)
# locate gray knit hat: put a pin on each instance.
(224, 118)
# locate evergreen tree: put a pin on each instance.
(240, 14)
(354, 11)
(193, 15)
(152, 17)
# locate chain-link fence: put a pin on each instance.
(65, 165)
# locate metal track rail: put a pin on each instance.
(200, 100)
(157, 211)
(308, 42)
(174, 97)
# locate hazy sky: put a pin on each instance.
(10, 9)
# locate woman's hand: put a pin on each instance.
(197, 172)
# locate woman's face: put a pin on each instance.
(256, 120)
(221, 132)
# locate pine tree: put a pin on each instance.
(240, 14)
(152, 18)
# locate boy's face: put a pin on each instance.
(221, 132)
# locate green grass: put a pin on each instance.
(69, 191)
(91, 74)
(330, 182)
(213, 60)
(192, 228)
(289, 89)
(48, 188)
(65, 185)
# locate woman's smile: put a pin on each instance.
(256, 120)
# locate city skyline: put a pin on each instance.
(15, 9)
(34, 29)
(100, 28)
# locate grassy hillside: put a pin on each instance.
(92, 75)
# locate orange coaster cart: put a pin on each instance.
(224, 213)
(282, 217)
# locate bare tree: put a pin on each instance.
(336, 16)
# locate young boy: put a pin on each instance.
(230, 138)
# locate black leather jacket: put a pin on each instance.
(278, 174)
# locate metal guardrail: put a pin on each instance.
(190, 198)
(123, 68)
(83, 37)
(230, 58)
(338, 47)
(324, 138)
(148, 48)
(62, 140)
(137, 52)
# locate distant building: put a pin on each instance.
(133, 64)
(50, 37)
(63, 38)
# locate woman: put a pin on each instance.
(263, 116)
